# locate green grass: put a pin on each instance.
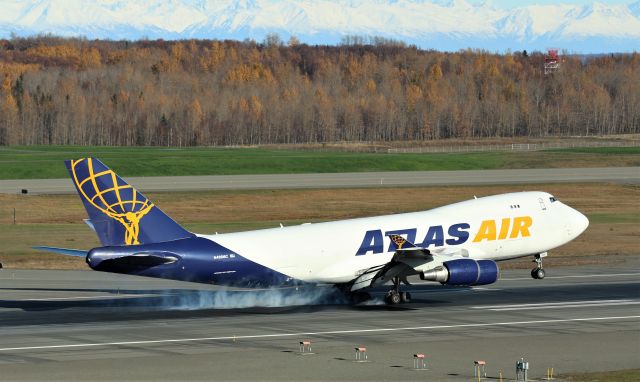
(632, 375)
(610, 218)
(47, 162)
(40, 162)
(599, 150)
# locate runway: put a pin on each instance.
(334, 180)
(83, 325)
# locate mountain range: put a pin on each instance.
(447, 25)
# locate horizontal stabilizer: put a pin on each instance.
(124, 264)
(63, 251)
(142, 260)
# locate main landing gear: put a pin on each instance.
(537, 272)
(395, 296)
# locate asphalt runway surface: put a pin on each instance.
(84, 325)
(334, 180)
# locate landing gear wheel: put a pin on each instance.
(395, 296)
(537, 272)
(392, 298)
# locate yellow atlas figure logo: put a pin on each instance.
(398, 240)
(109, 200)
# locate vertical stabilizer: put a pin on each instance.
(118, 213)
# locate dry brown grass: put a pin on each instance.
(56, 220)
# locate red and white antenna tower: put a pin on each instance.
(551, 61)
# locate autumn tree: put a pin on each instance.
(199, 92)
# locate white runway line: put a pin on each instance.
(575, 276)
(557, 305)
(71, 298)
(334, 332)
(568, 306)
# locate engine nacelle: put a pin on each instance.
(464, 272)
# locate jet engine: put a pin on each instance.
(464, 272)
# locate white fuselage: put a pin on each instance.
(495, 227)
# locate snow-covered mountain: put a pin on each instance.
(430, 24)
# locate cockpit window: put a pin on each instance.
(553, 199)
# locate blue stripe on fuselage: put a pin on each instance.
(199, 260)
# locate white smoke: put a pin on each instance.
(265, 298)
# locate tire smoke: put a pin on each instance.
(266, 298)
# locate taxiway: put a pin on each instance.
(627, 175)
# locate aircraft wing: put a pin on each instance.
(407, 250)
(408, 260)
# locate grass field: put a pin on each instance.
(56, 220)
(631, 375)
(599, 150)
(41, 162)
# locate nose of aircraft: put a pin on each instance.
(580, 222)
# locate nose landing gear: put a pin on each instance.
(537, 272)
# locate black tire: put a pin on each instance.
(392, 298)
(540, 273)
(534, 273)
(405, 297)
(0, 265)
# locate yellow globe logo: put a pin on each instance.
(109, 194)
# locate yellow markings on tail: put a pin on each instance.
(130, 220)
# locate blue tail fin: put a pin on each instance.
(119, 214)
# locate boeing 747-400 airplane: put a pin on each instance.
(457, 244)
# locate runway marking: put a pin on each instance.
(334, 332)
(557, 305)
(576, 276)
(109, 296)
(567, 306)
(548, 303)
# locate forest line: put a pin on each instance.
(207, 92)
